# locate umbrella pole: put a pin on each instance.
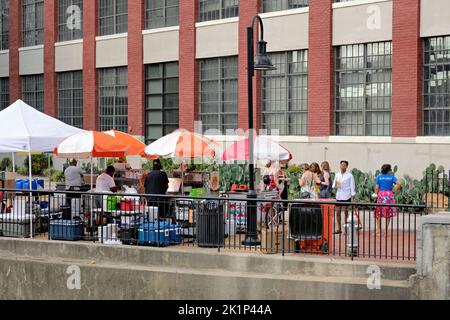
(92, 202)
(13, 163)
(182, 178)
(31, 195)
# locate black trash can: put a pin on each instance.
(306, 222)
(211, 224)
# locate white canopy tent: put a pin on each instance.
(25, 129)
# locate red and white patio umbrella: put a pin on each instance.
(264, 149)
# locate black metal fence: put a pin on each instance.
(363, 230)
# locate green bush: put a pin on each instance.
(39, 162)
(55, 175)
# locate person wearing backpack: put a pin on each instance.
(307, 183)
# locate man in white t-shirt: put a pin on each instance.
(105, 182)
(73, 175)
(344, 182)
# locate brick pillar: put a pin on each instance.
(247, 10)
(50, 34)
(15, 42)
(90, 76)
(136, 92)
(407, 71)
(320, 69)
(188, 66)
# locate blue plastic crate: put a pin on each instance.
(66, 230)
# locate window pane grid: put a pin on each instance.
(161, 13)
(33, 91)
(4, 24)
(278, 5)
(218, 9)
(219, 93)
(162, 107)
(113, 17)
(32, 22)
(4, 93)
(436, 95)
(364, 89)
(70, 98)
(70, 20)
(285, 94)
(113, 101)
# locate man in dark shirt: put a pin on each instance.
(157, 183)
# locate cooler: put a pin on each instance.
(160, 234)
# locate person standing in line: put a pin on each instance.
(308, 191)
(386, 185)
(315, 169)
(326, 185)
(344, 182)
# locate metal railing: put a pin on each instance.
(356, 230)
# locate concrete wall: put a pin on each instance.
(286, 30)
(161, 45)
(4, 63)
(31, 60)
(111, 51)
(40, 270)
(435, 18)
(68, 56)
(433, 258)
(217, 38)
(370, 22)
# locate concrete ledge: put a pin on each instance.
(197, 258)
(48, 279)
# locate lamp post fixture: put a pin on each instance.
(259, 62)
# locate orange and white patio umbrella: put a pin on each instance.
(182, 144)
(91, 144)
(136, 147)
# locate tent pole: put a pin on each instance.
(13, 163)
(49, 175)
(31, 195)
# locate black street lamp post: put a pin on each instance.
(260, 62)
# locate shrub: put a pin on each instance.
(39, 162)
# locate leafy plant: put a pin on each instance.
(233, 174)
(39, 162)
(55, 175)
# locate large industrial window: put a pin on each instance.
(218, 9)
(4, 24)
(32, 22)
(33, 91)
(219, 93)
(161, 100)
(285, 94)
(113, 16)
(70, 20)
(436, 97)
(278, 5)
(161, 13)
(113, 101)
(70, 98)
(364, 89)
(4, 93)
